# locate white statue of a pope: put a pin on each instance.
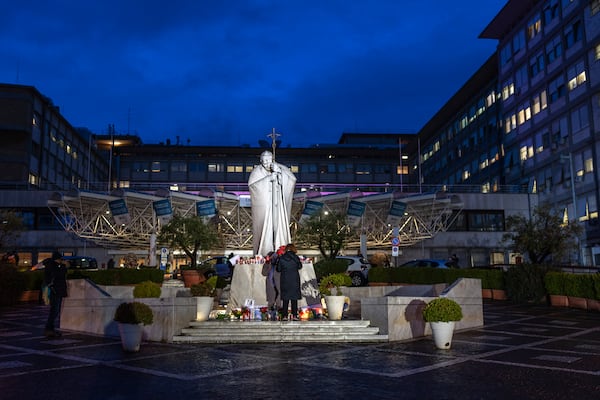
(271, 192)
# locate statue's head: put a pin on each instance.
(266, 159)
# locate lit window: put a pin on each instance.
(576, 75)
(508, 89)
(524, 113)
(235, 168)
(215, 167)
(534, 26)
(540, 102)
(402, 169)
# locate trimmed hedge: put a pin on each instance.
(12, 284)
(329, 267)
(554, 282)
(119, 276)
(490, 278)
(579, 285)
(525, 283)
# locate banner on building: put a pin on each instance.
(311, 208)
(119, 211)
(396, 212)
(356, 210)
(206, 209)
(163, 210)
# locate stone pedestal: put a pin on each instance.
(248, 282)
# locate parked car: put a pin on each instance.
(73, 262)
(358, 269)
(219, 266)
(78, 262)
(429, 263)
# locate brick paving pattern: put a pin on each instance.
(522, 352)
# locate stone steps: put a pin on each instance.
(323, 331)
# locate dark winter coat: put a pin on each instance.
(289, 264)
(55, 277)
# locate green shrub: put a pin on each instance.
(571, 286)
(586, 286)
(33, 279)
(554, 283)
(206, 288)
(442, 309)
(425, 276)
(119, 276)
(596, 283)
(328, 267)
(334, 281)
(525, 283)
(380, 274)
(495, 279)
(579, 285)
(134, 313)
(146, 289)
(12, 284)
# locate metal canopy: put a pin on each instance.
(88, 215)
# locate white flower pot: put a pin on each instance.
(131, 336)
(204, 306)
(335, 306)
(442, 334)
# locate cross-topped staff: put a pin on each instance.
(273, 135)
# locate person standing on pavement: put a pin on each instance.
(289, 265)
(55, 278)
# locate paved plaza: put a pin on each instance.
(522, 352)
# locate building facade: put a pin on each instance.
(528, 118)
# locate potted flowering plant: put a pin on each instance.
(442, 313)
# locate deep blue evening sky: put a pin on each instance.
(227, 72)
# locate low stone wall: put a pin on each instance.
(90, 308)
(398, 313)
(356, 294)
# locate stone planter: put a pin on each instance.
(442, 333)
(335, 307)
(578, 302)
(593, 305)
(131, 336)
(499, 294)
(558, 300)
(191, 277)
(204, 305)
(30, 296)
